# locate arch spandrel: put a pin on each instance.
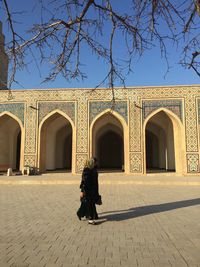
(152, 106)
(54, 112)
(14, 109)
(110, 112)
(100, 107)
(46, 108)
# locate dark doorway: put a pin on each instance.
(110, 151)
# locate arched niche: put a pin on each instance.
(107, 142)
(164, 138)
(56, 138)
(10, 142)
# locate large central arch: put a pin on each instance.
(10, 142)
(107, 135)
(56, 136)
(164, 142)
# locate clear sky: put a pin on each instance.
(149, 70)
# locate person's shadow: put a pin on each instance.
(121, 215)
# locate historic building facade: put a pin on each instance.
(145, 129)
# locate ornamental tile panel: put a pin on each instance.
(198, 107)
(191, 124)
(135, 128)
(99, 106)
(30, 160)
(44, 108)
(80, 161)
(149, 106)
(135, 162)
(31, 128)
(16, 109)
(82, 127)
(192, 163)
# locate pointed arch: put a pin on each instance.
(65, 140)
(16, 140)
(120, 130)
(178, 138)
(54, 112)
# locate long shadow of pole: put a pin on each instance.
(121, 215)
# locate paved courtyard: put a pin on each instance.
(144, 221)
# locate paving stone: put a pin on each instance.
(152, 223)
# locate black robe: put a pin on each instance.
(90, 187)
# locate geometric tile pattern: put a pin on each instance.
(192, 163)
(16, 109)
(99, 106)
(135, 128)
(30, 130)
(136, 162)
(148, 106)
(29, 160)
(44, 108)
(82, 127)
(80, 161)
(191, 124)
(147, 100)
(198, 107)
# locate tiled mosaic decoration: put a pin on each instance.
(198, 103)
(16, 109)
(29, 160)
(193, 162)
(80, 160)
(99, 106)
(82, 128)
(44, 108)
(148, 106)
(136, 162)
(191, 123)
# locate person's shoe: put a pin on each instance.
(91, 222)
(78, 216)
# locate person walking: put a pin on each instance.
(89, 191)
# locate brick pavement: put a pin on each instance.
(144, 221)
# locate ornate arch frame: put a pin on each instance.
(179, 140)
(73, 136)
(125, 135)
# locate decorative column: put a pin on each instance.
(136, 162)
(82, 152)
(30, 151)
(192, 149)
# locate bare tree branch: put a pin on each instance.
(66, 26)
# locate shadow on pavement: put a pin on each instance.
(121, 215)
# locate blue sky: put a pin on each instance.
(149, 70)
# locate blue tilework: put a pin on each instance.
(148, 106)
(46, 107)
(99, 106)
(16, 109)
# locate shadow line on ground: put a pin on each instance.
(121, 215)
